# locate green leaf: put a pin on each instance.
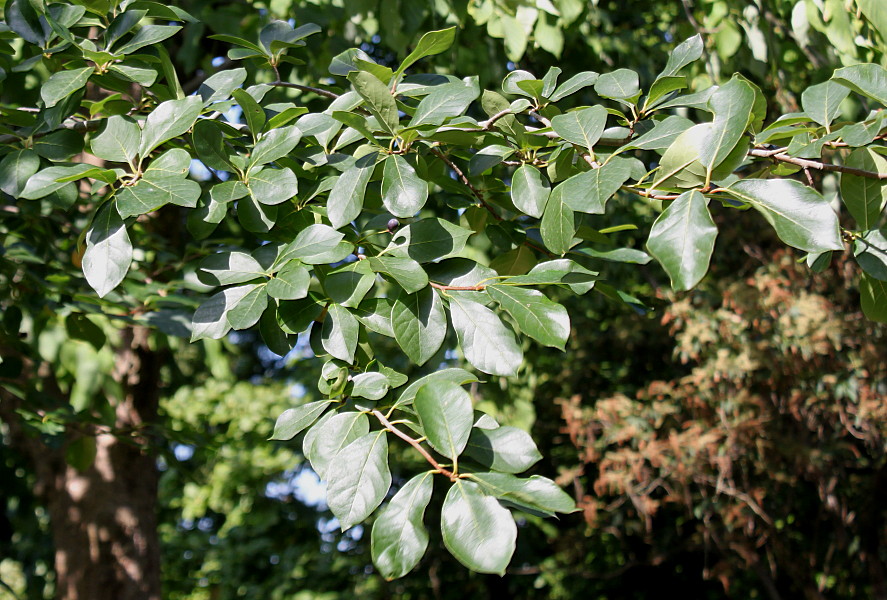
(334, 434)
(372, 385)
(16, 169)
(589, 192)
(379, 100)
(486, 341)
(118, 141)
(476, 529)
(822, 102)
(275, 144)
(253, 113)
(291, 282)
(346, 198)
(801, 217)
(876, 14)
(312, 243)
(162, 183)
(297, 316)
(429, 239)
(529, 191)
(349, 284)
(454, 375)
(419, 323)
(271, 186)
(732, 106)
(60, 145)
(247, 311)
(865, 197)
(64, 83)
(873, 296)
(871, 254)
(538, 494)
(506, 449)
(448, 100)
(210, 320)
(210, 146)
(866, 79)
(293, 420)
(403, 192)
(45, 182)
(339, 333)
(574, 84)
(108, 252)
(545, 321)
(358, 479)
(255, 216)
(405, 271)
(621, 84)
(148, 35)
(431, 43)
(583, 127)
(399, 538)
(220, 85)
(168, 120)
(558, 222)
(688, 51)
(375, 314)
(446, 414)
(682, 239)
(226, 268)
(561, 271)
(144, 76)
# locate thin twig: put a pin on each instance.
(488, 124)
(812, 164)
(461, 288)
(305, 88)
(415, 444)
(78, 126)
(477, 193)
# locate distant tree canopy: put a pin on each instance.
(189, 191)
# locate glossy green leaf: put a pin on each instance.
(271, 186)
(108, 252)
(446, 414)
(682, 239)
(60, 145)
(405, 271)
(349, 284)
(312, 243)
(583, 127)
(429, 239)
(162, 183)
(45, 182)
(822, 102)
(247, 311)
(574, 84)
(296, 316)
(253, 113)
(219, 86)
(505, 449)
(209, 143)
(873, 297)
(291, 282)
(486, 341)
(403, 192)
(865, 197)
(686, 52)
(118, 141)
(372, 385)
(399, 537)
(358, 479)
(339, 333)
(62, 84)
(561, 271)
(293, 421)
(226, 268)
(346, 198)
(558, 222)
(431, 43)
(168, 120)
(476, 529)
(419, 323)
(621, 84)
(661, 136)
(16, 169)
(545, 321)
(148, 35)
(871, 253)
(801, 217)
(732, 106)
(589, 192)
(529, 191)
(453, 375)
(379, 100)
(334, 434)
(210, 320)
(255, 216)
(375, 315)
(535, 493)
(275, 144)
(448, 100)
(867, 79)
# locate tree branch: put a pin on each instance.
(387, 424)
(477, 193)
(488, 124)
(305, 88)
(78, 126)
(459, 288)
(781, 156)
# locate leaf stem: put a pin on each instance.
(305, 88)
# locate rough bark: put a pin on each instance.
(103, 519)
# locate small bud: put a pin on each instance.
(393, 224)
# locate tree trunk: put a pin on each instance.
(103, 518)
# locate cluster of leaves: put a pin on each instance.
(360, 221)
